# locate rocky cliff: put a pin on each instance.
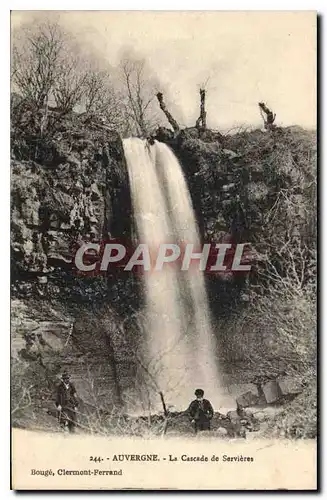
(68, 187)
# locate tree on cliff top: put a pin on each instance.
(36, 63)
(48, 68)
(139, 90)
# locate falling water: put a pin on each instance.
(178, 350)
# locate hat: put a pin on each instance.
(199, 392)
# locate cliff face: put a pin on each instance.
(69, 188)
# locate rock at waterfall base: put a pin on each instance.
(289, 386)
(247, 399)
(261, 416)
(271, 391)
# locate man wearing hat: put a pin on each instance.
(201, 412)
(66, 403)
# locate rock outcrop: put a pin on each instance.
(69, 188)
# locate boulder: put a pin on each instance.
(237, 389)
(53, 334)
(221, 432)
(247, 399)
(249, 421)
(289, 386)
(233, 425)
(260, 416)
(233, 416)
(271, 391)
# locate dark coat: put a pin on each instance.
(66, 396)
(201, 411)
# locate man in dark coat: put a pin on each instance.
(200, 412)
(66, 403)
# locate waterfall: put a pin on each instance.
(177, 353)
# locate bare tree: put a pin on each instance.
(268, 116)
(96, 91)
(201, 122)
(139, 94)
(47, 67)
(102, 98)
(35, 65)
(169, 116)
(69, 87)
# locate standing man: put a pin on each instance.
(201, 412)
(66, 403)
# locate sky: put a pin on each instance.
(242, 57)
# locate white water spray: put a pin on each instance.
(178, 350)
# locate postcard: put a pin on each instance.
(163, 250)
